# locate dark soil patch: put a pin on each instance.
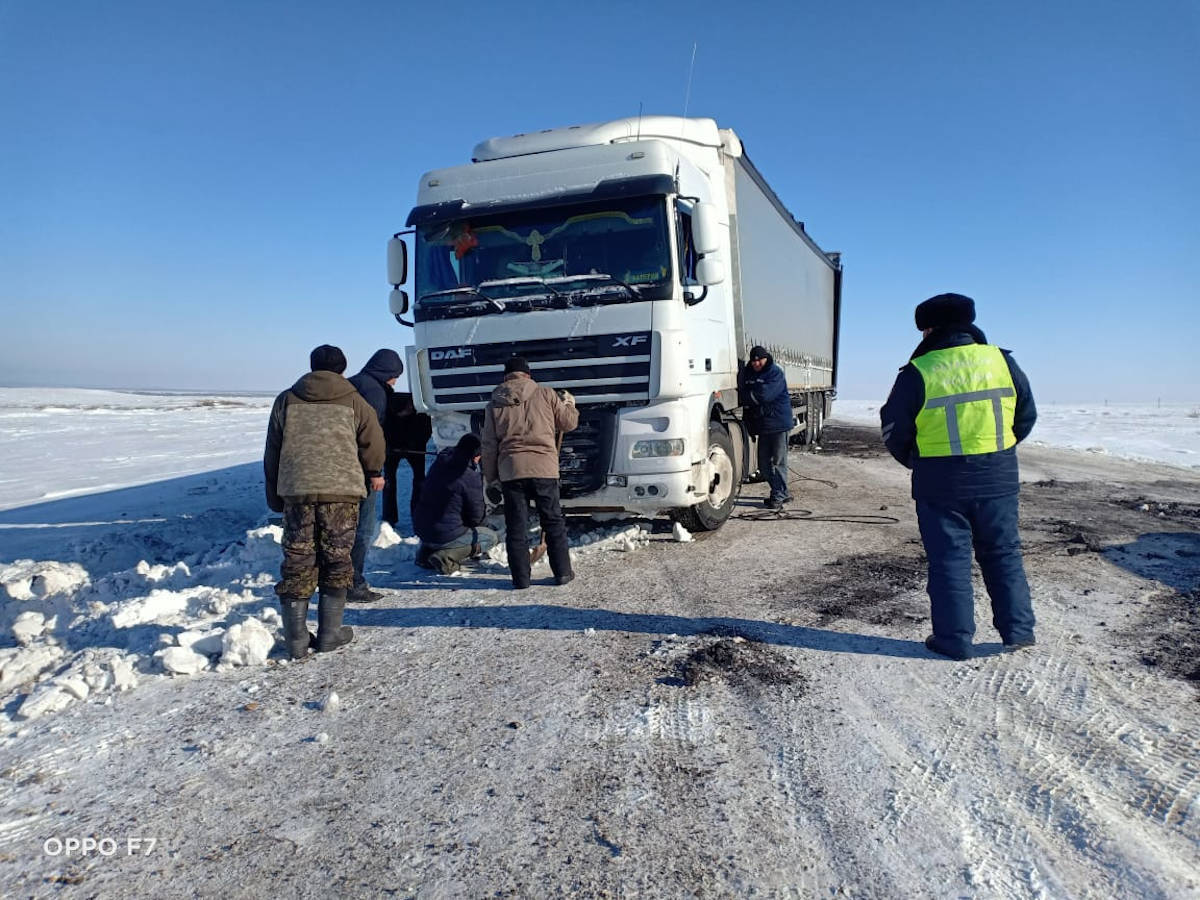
(1170, 634)
(859, 441)
(879, 588)
(738, 660)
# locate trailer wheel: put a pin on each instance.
(722, 490)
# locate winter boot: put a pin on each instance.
(331, 633)
(444, 562)
(362, 593)
(295, 628)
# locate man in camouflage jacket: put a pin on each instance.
(324, 444)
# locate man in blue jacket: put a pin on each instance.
(772, 419)
(451, 510)
(955, 415)
(374, 382)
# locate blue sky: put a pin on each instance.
(194, 195)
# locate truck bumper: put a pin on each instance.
(642, 494)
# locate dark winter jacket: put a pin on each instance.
(451, 500)
(770, 404)
(372, 381)
(406, 430)
(323, 442)
(977, 476)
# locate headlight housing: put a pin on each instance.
(649, 449)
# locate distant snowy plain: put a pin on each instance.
(135, 542)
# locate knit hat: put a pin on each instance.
(327, 358)
(759, 353)
(468, 446)
(944, 311)
(516, 364)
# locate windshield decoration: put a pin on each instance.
(546, 258)
(465, 241)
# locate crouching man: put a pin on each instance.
(450, 511)
(324, 445)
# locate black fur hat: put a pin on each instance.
(327, 358)
(516, 364)
(945, 310)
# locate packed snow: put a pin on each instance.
(750, 711)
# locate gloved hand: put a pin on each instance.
(493, 494)
(566, 396)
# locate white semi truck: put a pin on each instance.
(633, 263)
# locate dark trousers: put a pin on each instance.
(416, 461)
(543, 492)
(950, 530)
(773, 463)
(317, 538)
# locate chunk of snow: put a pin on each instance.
(50, 699)
(28, 626)
(156, 606)
(123, 676)
(248, 643)
(681, 534)
(27, 664)
(208, 642)
(181, 660)
(332, 703)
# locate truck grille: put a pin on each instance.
(586, 452)
(598, 368)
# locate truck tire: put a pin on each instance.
(711, 513)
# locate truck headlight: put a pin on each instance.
(647, 449)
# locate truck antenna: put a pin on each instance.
(687, 96)
(639, 125)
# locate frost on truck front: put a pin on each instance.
(561, 286)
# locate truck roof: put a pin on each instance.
(703, 132)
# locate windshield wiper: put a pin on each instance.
(499, 305)
(560, 299)
(601, 277)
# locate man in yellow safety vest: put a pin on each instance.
(957, 411)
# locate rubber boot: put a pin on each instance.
(295, 627)
(331, 633)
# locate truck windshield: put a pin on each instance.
(615, 251)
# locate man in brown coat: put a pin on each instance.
(520, 451)
(324, 443)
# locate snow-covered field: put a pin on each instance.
(1168, 433)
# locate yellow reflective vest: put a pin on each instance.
(970, 402)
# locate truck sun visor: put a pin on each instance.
(642, 186)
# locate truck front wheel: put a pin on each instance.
(721, 491)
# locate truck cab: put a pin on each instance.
(602, 255)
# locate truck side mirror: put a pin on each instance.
(710, 270)
(705, 229)
(397, 262)
(398, 304)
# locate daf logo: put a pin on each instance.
(451, 353)
(630, 340)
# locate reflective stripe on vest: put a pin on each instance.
(970, 402)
